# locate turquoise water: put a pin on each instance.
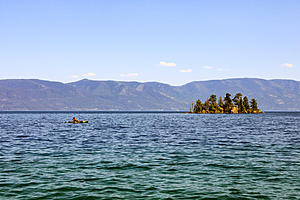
(149, 156)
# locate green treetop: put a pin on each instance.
(220, 102)
(198, 107)
(241, 107)
(237, 98)
(206, 105)
(246, 104)
(220, 105)
(227, 103)
(213, 103)
(254, 105)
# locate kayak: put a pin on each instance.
(76, 122)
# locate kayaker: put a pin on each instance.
(75, 120)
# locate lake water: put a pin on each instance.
(149, 156)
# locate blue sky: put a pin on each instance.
(173, 42)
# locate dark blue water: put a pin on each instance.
(149, 156)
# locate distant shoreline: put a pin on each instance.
(127, 112)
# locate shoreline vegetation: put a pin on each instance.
(237, 105)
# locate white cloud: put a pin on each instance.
(288, 65)
(185, 70)
(207, 67)
(129, 75)
(75, 76)
(167, 64)
(89, 74)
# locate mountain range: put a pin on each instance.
(34, 94)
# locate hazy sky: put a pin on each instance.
(173, 42)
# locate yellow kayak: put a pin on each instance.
(76, 122)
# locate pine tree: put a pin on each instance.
(220, 102)
(246, 104)
(206, 105)
(213, 103)
(241, 106)
(237, 98)
(253, 105)
(220, 105)
(227, 103)
(198, 107)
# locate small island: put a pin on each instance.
(227, 106)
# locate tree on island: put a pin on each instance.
(206, 106)
(246, 104)
(198, 107)
(236, 105)
(254, 106)
(228, 105)
(220, 105)
(237, 98)
(241, 107)
(213, 104)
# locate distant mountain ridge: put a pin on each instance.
(34, 94)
